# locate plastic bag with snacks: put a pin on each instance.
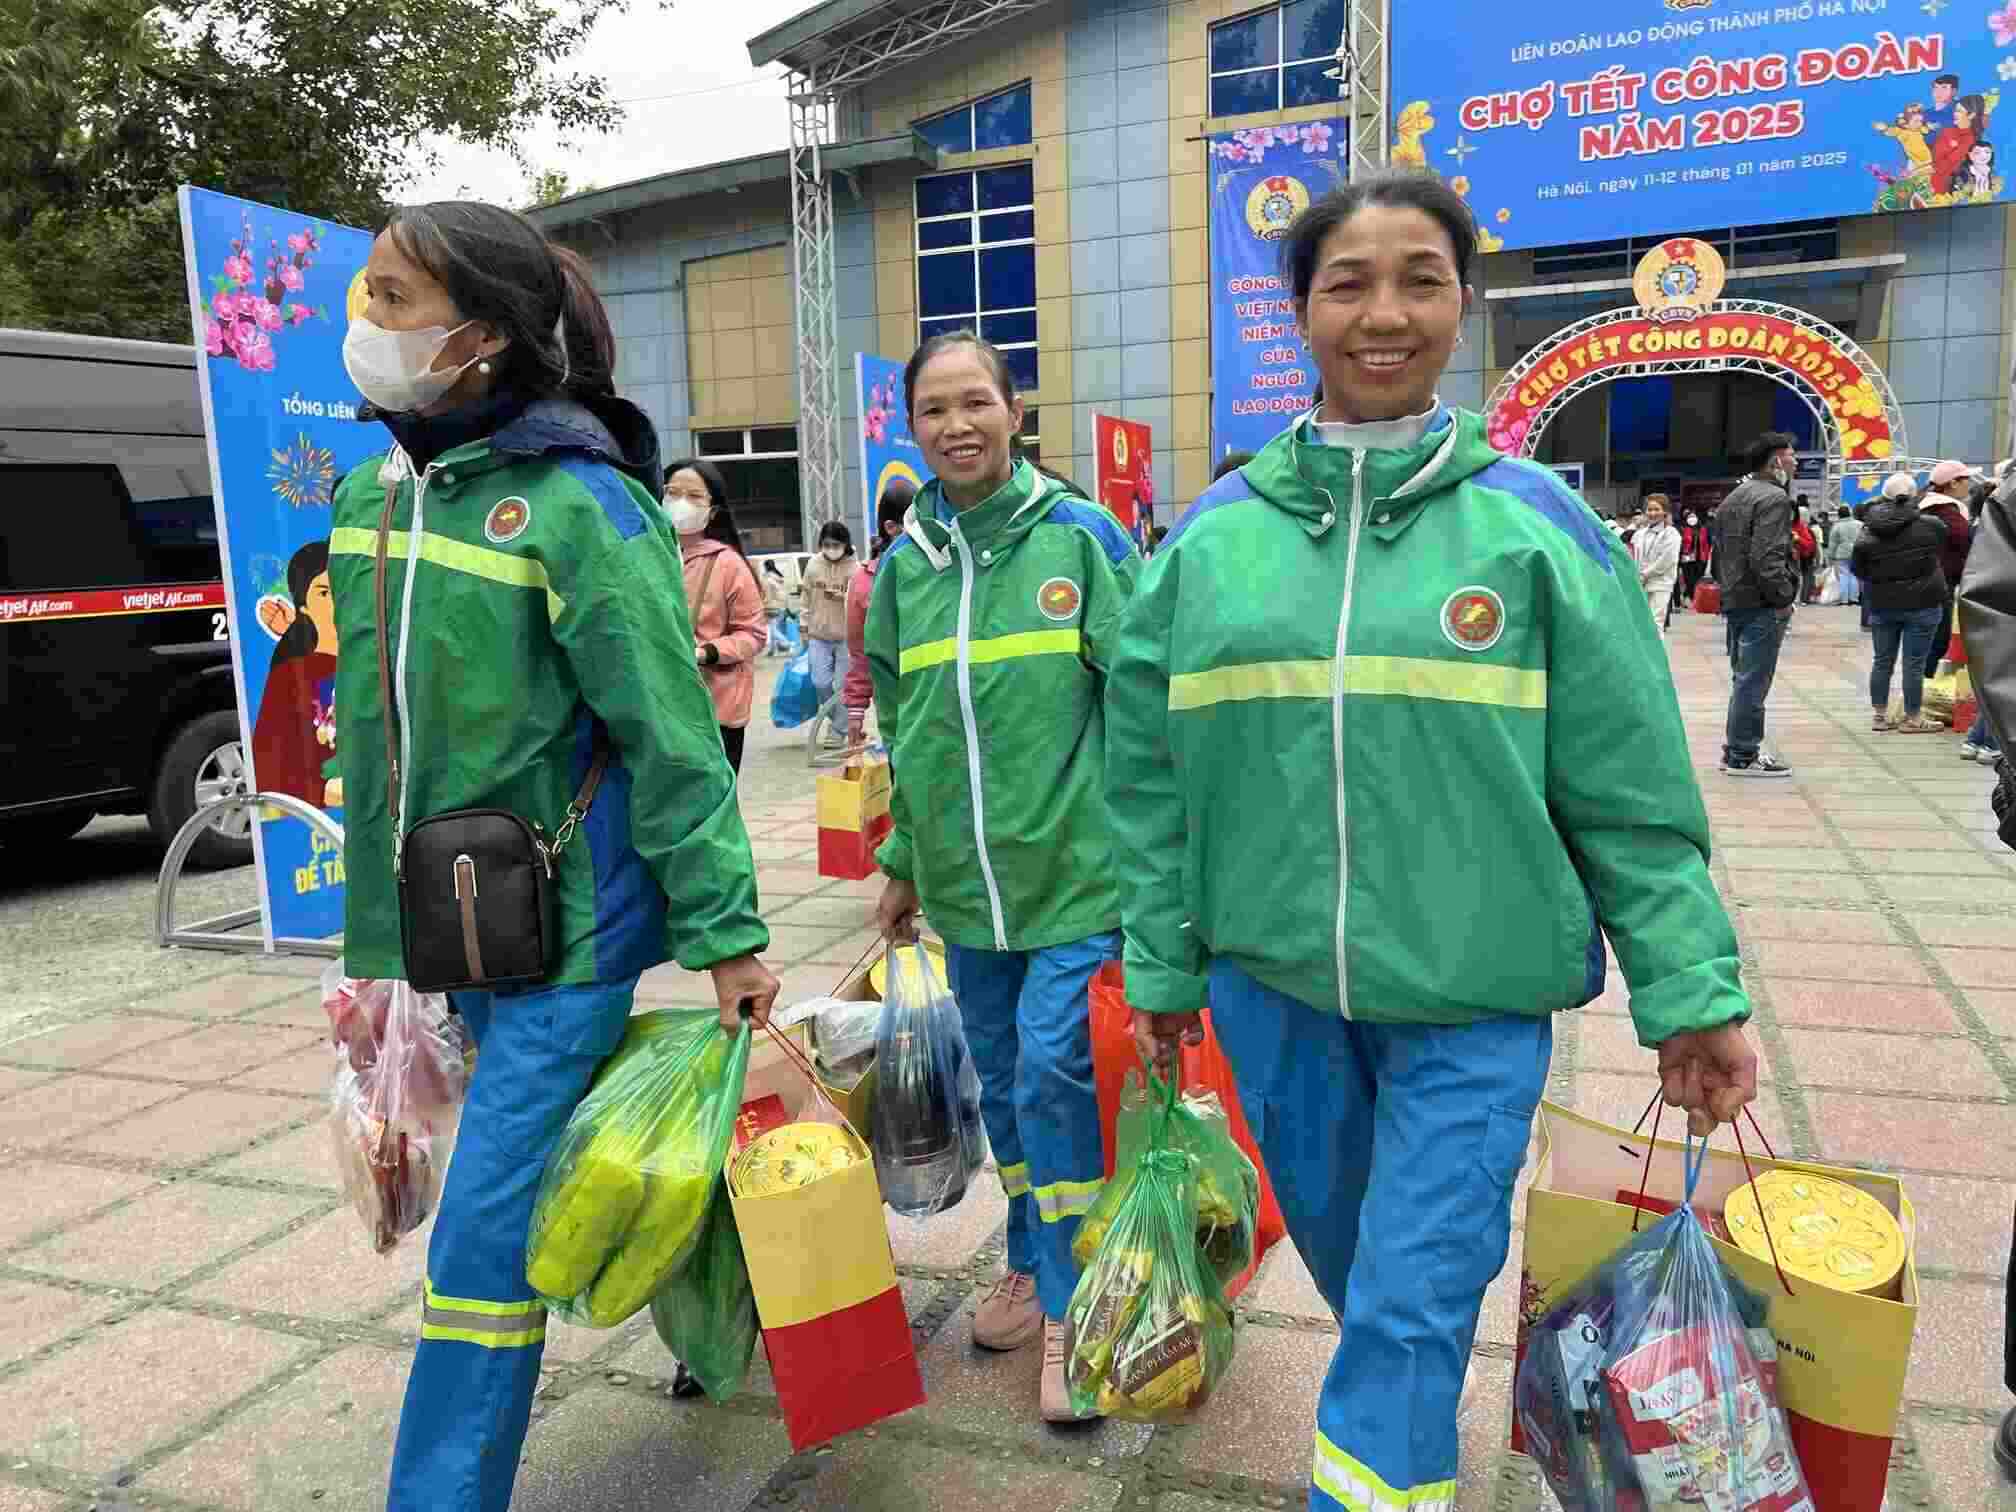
(1654, 1386)
(1228, 1186)
(706, 1314)
(626, 1190)
(1148, 1334)
(925, 1129)
(401, 1070)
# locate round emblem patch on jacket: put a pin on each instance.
(1059, 599)
(1473, 619)
(507, 520)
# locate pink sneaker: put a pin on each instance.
(1008, 1317)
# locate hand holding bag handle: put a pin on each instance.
(476, 898)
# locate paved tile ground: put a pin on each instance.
(196, 1322)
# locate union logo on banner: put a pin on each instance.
(1679, 279)
(1273, 205)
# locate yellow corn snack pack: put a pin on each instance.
(624, 1198)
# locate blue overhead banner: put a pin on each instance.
(271, 292)
(1593, 120)
(888, 450)
(1262, 178)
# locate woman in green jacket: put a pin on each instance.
(533, 591)
(1392, 745)
(988, 639)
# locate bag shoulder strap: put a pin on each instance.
(700, 598)
(598, 761)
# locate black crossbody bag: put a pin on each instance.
(478, 905)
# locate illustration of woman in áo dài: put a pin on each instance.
(294, 738)
(1951, 149)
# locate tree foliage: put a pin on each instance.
(323, 106)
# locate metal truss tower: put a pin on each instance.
(823, 70)
(1365, 64)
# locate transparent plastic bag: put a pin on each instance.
(1148, 1334)
(706, 1314)
(1228, 1185)
(626, 1189)
(925, 1128)
(843, 1036)
(402, 1064)
(1654, 1386)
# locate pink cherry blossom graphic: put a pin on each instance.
(298, 314)
(267, 314)
(238, 269)
(255, 349)
(2003, 24)
(298, 242)
(1316, 138)
(213, 337)
(224, 304)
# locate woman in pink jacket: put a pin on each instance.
(858, 692)
(729, 628)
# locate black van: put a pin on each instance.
(116, 694)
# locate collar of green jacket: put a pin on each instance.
(996, 524)
(1300, 476)
(602, 426)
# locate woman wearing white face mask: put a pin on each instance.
(506, 596)
(825, 609)
(729, 629)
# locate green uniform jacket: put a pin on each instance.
(989, 639)
(1392, 732)
(530, 581)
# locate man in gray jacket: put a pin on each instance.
(1759, 575)
(1840, 548)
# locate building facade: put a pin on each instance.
(1048, 182)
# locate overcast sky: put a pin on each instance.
(698, 53)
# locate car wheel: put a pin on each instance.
(44, 829)
(203, 763)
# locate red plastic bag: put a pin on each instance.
(1708, 597)
(1204, 1068)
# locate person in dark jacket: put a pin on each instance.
(1952, 485)
(1987, 602)
(1759, 577)
(1897, 559)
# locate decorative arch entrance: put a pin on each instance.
(1860, 425)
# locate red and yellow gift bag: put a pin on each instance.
(1841, 1355)
(834, 1326)
(854, 818)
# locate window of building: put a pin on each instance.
(760, 467)
(976, 260)
(1000, 120)
(1278, 58)
(1740, 246)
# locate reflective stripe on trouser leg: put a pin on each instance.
(469, 1397)
(1445, 1113)
(988, 985)
(1057, 1106)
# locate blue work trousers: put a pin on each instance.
(1754, 637)
(482, 1330)
(1393, 1149)
(1028, 1018)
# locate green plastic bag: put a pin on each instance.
(706, 1314)
(1148, 1334)
(627, 1188)
(1228, 1186)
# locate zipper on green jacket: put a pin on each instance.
(965, 671)
(1337, 721)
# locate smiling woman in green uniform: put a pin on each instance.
(1391, 745)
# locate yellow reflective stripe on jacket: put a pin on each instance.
(1066, 1199)
(997, 648)
(489, 1325)
(1355, 1486)
(456, 556)
(1015, 1179)
(1443, 679)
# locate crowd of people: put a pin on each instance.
(1076, 733)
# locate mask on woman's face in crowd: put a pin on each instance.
(834, 552)
(394, 369)
(1692, 521)
(688, 516)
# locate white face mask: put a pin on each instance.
(834, 553)
(688, 518)
(391, 368)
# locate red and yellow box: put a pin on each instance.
(854, 818)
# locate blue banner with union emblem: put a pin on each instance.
(272, 292)
(1261, 179)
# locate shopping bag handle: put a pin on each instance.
(1694, 1166)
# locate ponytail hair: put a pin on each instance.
(540, 297)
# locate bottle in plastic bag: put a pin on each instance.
(925, 1130)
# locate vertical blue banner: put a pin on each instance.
(271, 293)
(1262, 178)
(888, 450)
